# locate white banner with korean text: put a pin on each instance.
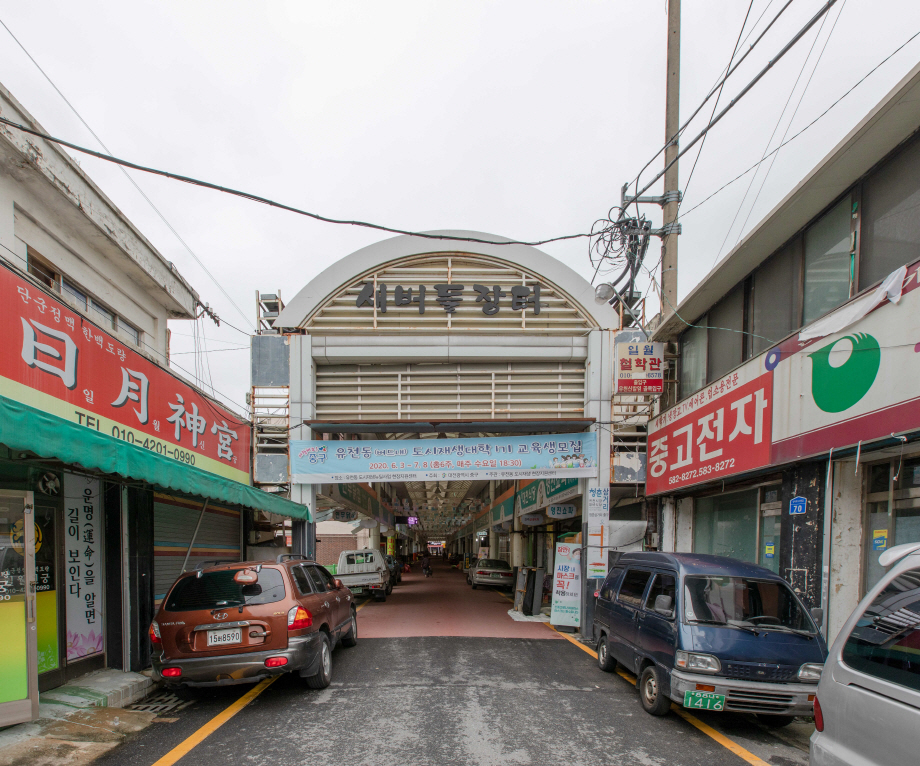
(83, 566)
(598, 515)
(566, 605)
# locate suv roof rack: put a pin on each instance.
(282, 557)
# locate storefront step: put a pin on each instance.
(102, 688)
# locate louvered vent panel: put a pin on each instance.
(510, 391)
(340, 315)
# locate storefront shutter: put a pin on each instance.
(503, 391)
(174, 521)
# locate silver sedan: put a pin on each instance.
(491, 572)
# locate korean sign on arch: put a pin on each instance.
(59, 362)
(723, 429)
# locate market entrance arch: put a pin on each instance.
(414, 339)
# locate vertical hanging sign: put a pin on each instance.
(566, 608)
(83, 566)
(598, 515)
(639, 368)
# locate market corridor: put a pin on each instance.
(445, 605)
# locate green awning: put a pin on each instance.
(26, 428)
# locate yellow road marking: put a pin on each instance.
(691, 719)
(720, 738)
(191, 742)
(358, 609)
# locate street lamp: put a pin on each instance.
(604, 293)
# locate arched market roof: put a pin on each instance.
(325, 299)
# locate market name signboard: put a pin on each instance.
(58, 362)
(524, 457)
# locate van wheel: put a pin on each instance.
(651, 694)
(351, 638)
(323, 676)
(775, 721)
(604, 661)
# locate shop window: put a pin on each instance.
(726, 334)
(43, 271)
(75, 293)
(774, 304)
(892, 510)
(726, 525)
(103, 315)
(771, 510)
(693, 359)
(890, 226)
(827, 262)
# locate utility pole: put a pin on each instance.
(671, 126)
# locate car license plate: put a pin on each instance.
(226, 636)
(496, 574)
(357, 591)
(704, 701)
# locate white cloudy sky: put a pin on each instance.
(521, 118)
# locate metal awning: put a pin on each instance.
(27, 429)
(555, 426)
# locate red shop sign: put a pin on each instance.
(726, 434)
(57, 361)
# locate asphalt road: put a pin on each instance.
(426, 700)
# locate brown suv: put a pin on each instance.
(240, 622)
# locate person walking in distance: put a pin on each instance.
(426, 565)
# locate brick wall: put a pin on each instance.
(328, 547)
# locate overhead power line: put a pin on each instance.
(281, 205)
(717, 88)
(126, 174)
(859, 82)
(744, 91)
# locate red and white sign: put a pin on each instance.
(640, 368)
(57, 361)
(722, 430)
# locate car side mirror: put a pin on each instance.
(817, 614)
(664, 605)
(338, 583)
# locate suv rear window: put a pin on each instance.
(215, 590)
(886, 640)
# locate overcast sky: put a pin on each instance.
(519, 118)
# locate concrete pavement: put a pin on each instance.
(435, 699)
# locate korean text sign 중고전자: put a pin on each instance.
(720, 431)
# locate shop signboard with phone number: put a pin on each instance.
(59, 362)
(722, 430)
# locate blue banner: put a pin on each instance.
(506, 457)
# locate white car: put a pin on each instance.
(867, 711)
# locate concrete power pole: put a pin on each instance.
(671, 126)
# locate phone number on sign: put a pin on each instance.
(703, 470)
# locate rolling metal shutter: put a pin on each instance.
(503, 391)
(174, 521)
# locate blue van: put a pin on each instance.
(709, 633)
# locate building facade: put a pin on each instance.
(791, 438)
(115, 473)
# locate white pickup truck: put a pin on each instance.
(365, 572)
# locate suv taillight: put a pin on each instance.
(819, 716)
(299, 618)
(154, 633)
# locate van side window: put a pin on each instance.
(633, 587)
(665, 587)
(886, 638)
(610, 583)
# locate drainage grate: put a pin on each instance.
(163, 702)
